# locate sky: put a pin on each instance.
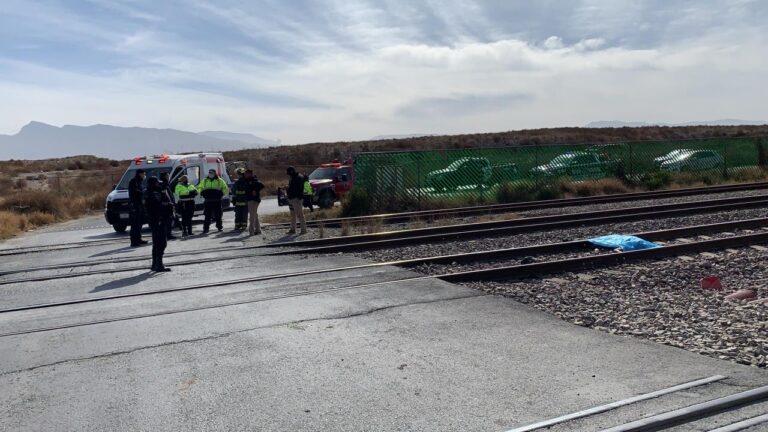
(329, 70)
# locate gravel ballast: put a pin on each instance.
(662, 300)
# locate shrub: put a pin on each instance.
(592, 187)
(657, 180)
(749, 174)
(356, 203)
(515, 192)
(37, 201)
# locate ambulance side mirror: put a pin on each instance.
(344, 177)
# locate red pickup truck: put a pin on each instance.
(330, 182)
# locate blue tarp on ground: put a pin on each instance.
(624, 242)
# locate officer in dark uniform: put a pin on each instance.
(240, 199)
(159, 213)
(165, 184)
(136, 203)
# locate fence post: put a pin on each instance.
(725, 159)
(537, 177)
(418, 179)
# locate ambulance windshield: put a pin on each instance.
(151, 172)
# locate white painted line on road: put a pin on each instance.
(744, 424)
(617, 404)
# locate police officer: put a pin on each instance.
(185, 196)
(159, 213)
(212, 188)
(254, 199)
(136, 203)
(295, 199)
(165, 184)
(240, 200)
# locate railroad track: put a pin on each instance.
(674, 417)
(495, 273)
(526, 225)
(73, 245)
(423, 235)
(453, 212)
(391, 218)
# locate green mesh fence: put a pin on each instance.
(424, 179)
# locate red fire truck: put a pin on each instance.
(330, 182)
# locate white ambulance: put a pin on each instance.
(194, 166)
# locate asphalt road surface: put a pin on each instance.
(346, 350)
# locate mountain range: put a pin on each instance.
(38, 140)
(722, 122)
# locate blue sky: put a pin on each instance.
(329, 70)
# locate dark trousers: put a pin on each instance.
(308, 202)
(241, 216)
(169, 226)
(137, 220)
(159, 242)
(212, 212)
(187, 210)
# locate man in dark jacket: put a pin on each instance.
(165, 185)
(159, 213)
(136, 206)
(240, 200)
(254, 199)
(296, 199)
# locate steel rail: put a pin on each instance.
(613, 405)
(743, 425)
(491, 232)
(494, 208)
(46, 248)
(604, 260)
(692, 207)
(694, 412)
(534, 250)
(707, 206)
(497, 273)
(533, 205)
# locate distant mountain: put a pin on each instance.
(241, 137)
(388, 137)
(41, 141)
(723, 122)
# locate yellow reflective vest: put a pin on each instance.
(183, 190)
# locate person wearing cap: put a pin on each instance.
(185, 196)
(240, 200)
(212, 189)
(254, 189)
(136, 203)
(296, 199)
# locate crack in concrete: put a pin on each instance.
(231, 333)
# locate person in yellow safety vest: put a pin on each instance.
(212, 189)
(309, 193)
(240, 200)
(185, 197)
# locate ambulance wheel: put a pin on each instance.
(120, 227)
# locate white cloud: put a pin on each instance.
(353, 70)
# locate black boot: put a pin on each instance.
(160, 266)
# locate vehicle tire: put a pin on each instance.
(326, 200)
(120, 227)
